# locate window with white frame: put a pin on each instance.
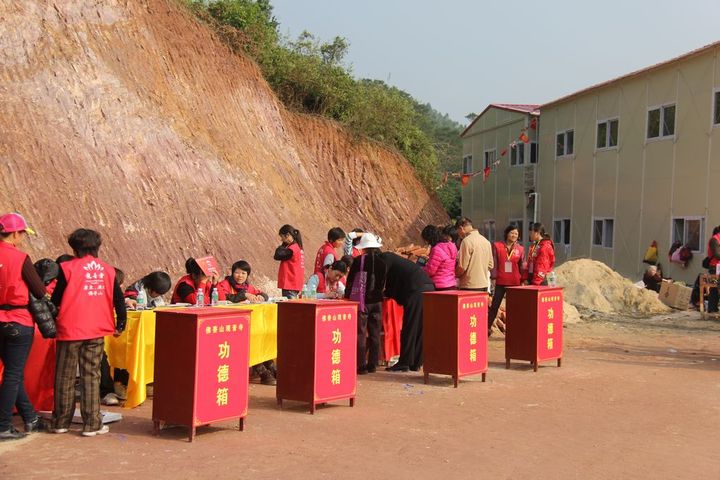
(716, 108)
(518, 222)
(607, 134)
(517, 154)
(467, 164)
(489, 230)
(565, 143)
(490, 158)
(561, 231)
(533, 152)
(661, 122)
(689, 231)
(603, 229)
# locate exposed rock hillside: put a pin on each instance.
(132, 118)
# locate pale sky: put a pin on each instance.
(461, 55)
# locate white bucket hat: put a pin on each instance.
(369, 240)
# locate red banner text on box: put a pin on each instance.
(222, 372)
(336, 352)
(472, 334)
(550, 321)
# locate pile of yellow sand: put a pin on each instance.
(594, 286)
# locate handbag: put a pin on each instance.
(43, 312)
(359, 286)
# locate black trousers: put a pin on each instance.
(411, 335)
(497, 299)
(713, 296)
(368, 338)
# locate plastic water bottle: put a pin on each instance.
(200, 298)
(304, 292)
(313, 291)
(141, 300)
(551, 279)
(214, 296)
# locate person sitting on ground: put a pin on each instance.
(330, 284)
(237, 288)
(155, 285)
(187, 287)
(653, 278)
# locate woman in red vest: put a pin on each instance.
(327, 253)
(541, 256)
(292, 262)
(186, 288)
(86, 294)
(237, 287)
(330, 284)
(713, 254)
(507, 272)
(18, 278)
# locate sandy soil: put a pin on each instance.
(633, 399)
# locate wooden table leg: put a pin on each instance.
(426, 377)
(192, 434)
(352, 402)
(455, 380)
(483, 376)
(241, 425)
(156, 427)
(279, 402)
(560, 362)
(507, 364)
(312, 408)
(535, 366)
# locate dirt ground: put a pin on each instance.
(633, 399)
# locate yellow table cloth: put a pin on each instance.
(134, 350)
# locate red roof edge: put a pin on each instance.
(530, 109)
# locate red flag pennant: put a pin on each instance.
(486, 173)
(465, 179)
(524, 138)
(533, 123)
(504, 151)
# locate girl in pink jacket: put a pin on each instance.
(440, 265)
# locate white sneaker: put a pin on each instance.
(110, 399)
(103, 430)
(58, 430)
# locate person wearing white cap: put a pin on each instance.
(18, 278)
(365, 284)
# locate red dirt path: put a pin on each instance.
(634, 399)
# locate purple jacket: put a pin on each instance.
(441, 264)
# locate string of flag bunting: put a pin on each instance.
(485, 172)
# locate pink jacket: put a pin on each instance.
(441, 264)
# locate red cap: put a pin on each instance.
(14, 222)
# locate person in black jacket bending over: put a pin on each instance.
(405, 283)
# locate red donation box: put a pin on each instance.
(201, 366)
(317, 351)
(455, 333)
(534, 326)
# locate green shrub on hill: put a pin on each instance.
(309, 76)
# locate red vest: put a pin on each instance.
(325, 250)
(292, 272)
(324, 286)
(502, 256)
(86, 307)
(13, 290)
(356, 253)
(192, 298)
(713, 261)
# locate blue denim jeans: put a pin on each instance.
(15, 343)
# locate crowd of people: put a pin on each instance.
(90, 303)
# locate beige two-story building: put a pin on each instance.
(619, 164)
